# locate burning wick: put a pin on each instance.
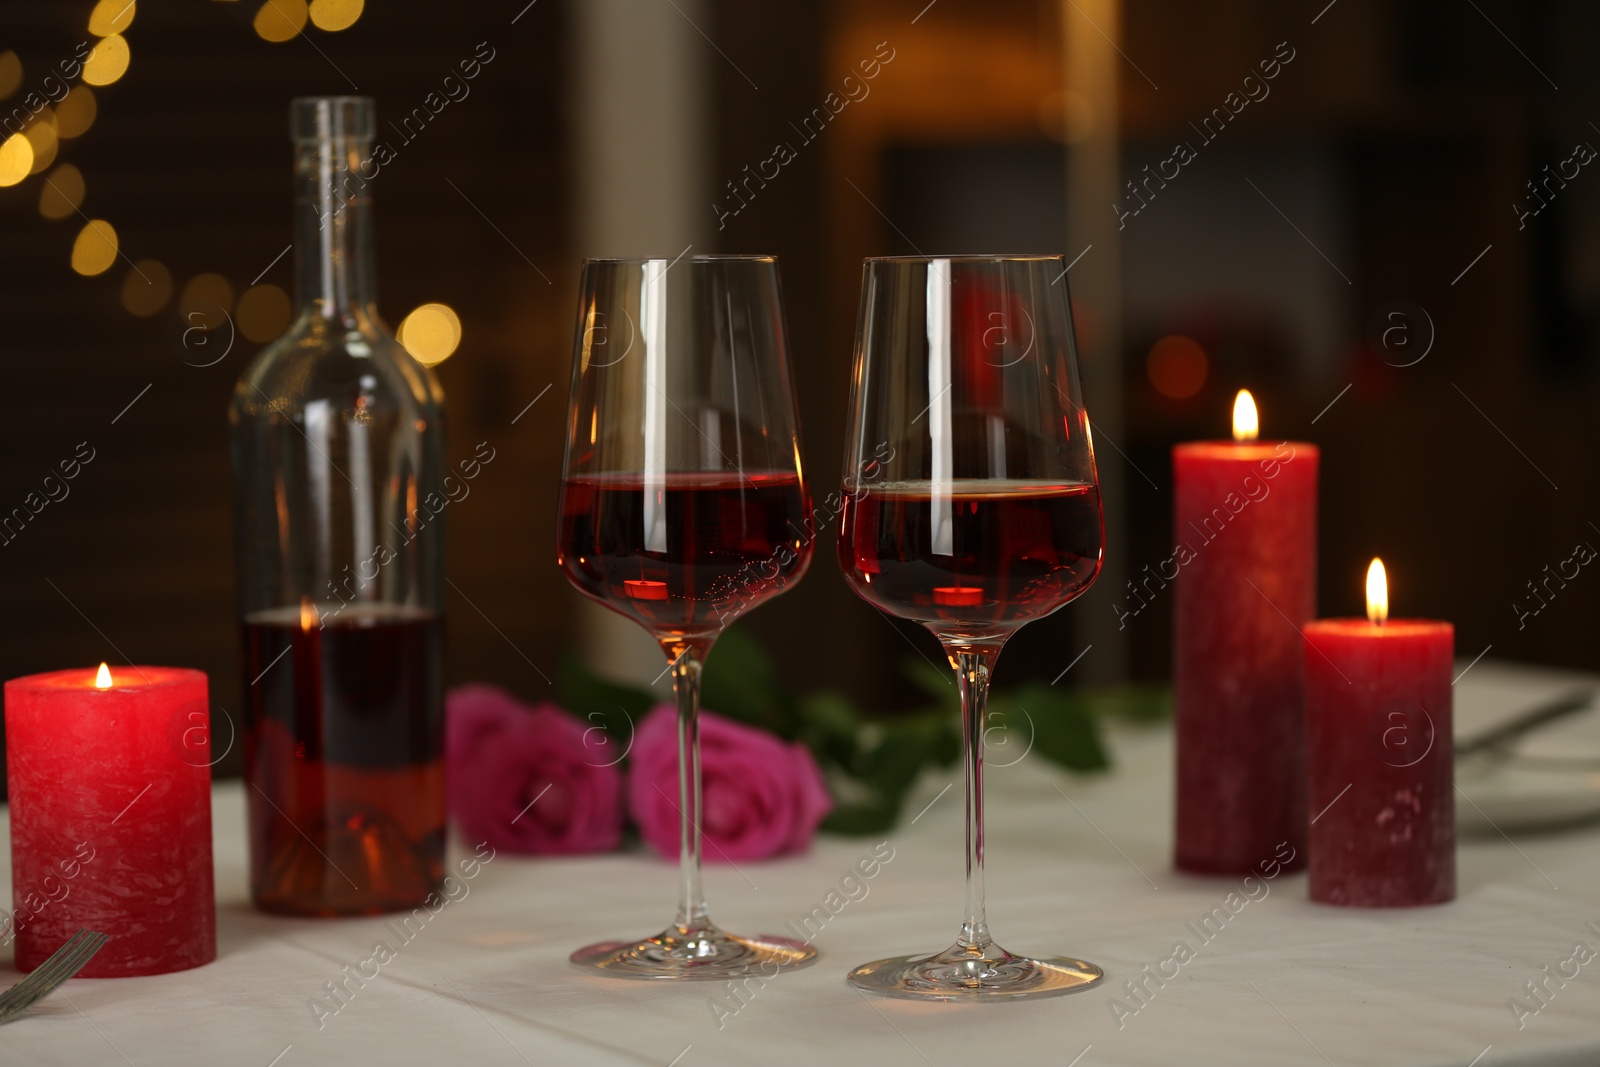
(1246, 423)
(1377, 593)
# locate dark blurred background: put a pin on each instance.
(1355, 239)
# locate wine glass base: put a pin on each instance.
(986, 972)
(701, 953)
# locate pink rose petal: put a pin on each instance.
(760, 796)
(527, 779)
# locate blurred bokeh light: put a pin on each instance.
(263, 312)
(16, 159)
(75, 114)
(207, 301)
(42, 138)
(334, 15)
(10, 73)
(1177, 366)
(280, 20)
(147, 288)
(111, 17)
(107, 62)
(95, 248)
(430, 333)
(61, 192)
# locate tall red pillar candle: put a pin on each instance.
(1244, 563)
(1381, 758)
(111, 817)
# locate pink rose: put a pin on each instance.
(528, 779)
(760, 795)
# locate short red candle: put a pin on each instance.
(1381, 762)
(1244, 563)
(111, 818)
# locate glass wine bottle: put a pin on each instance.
(337, 439)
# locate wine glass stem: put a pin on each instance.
(972, 668)
(692, 914)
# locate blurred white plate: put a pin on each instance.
(1517, 796)
(1550, 777)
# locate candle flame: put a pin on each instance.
(1377, 593)
(1246, 423)
(102, 677)
(308, 614)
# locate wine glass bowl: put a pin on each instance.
(683, 506)
(971, 507)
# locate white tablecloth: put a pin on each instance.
(1285, 982)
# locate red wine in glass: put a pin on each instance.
(342, 733)
(683, 553)
(986, 554)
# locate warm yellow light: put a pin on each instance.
(430, 333)
(42, 139)
(308, 614)
(1377, 593)
(147, 288)
(75, 114)
(111, 16)
(16, 159)
(1246, 424)
(107, 62)
(207, 301)
(61, 192)
(335, 15)
(263, 312)
(280, 20)
(10, 73)
(102, 677)
(95, 249)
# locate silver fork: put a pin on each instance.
(65, 962)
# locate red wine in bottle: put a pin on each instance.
(342, 744)
(985, 555)
(684, 553)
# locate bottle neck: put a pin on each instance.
(333, 232)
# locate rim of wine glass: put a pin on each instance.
(1035, 257)
(707, 258)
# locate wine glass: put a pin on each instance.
(682, 507)
(971, 507)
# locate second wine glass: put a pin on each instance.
(971, 507)
(681, 507)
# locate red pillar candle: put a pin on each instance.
(1245, 523)
(1381, 757)
(110, 781)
